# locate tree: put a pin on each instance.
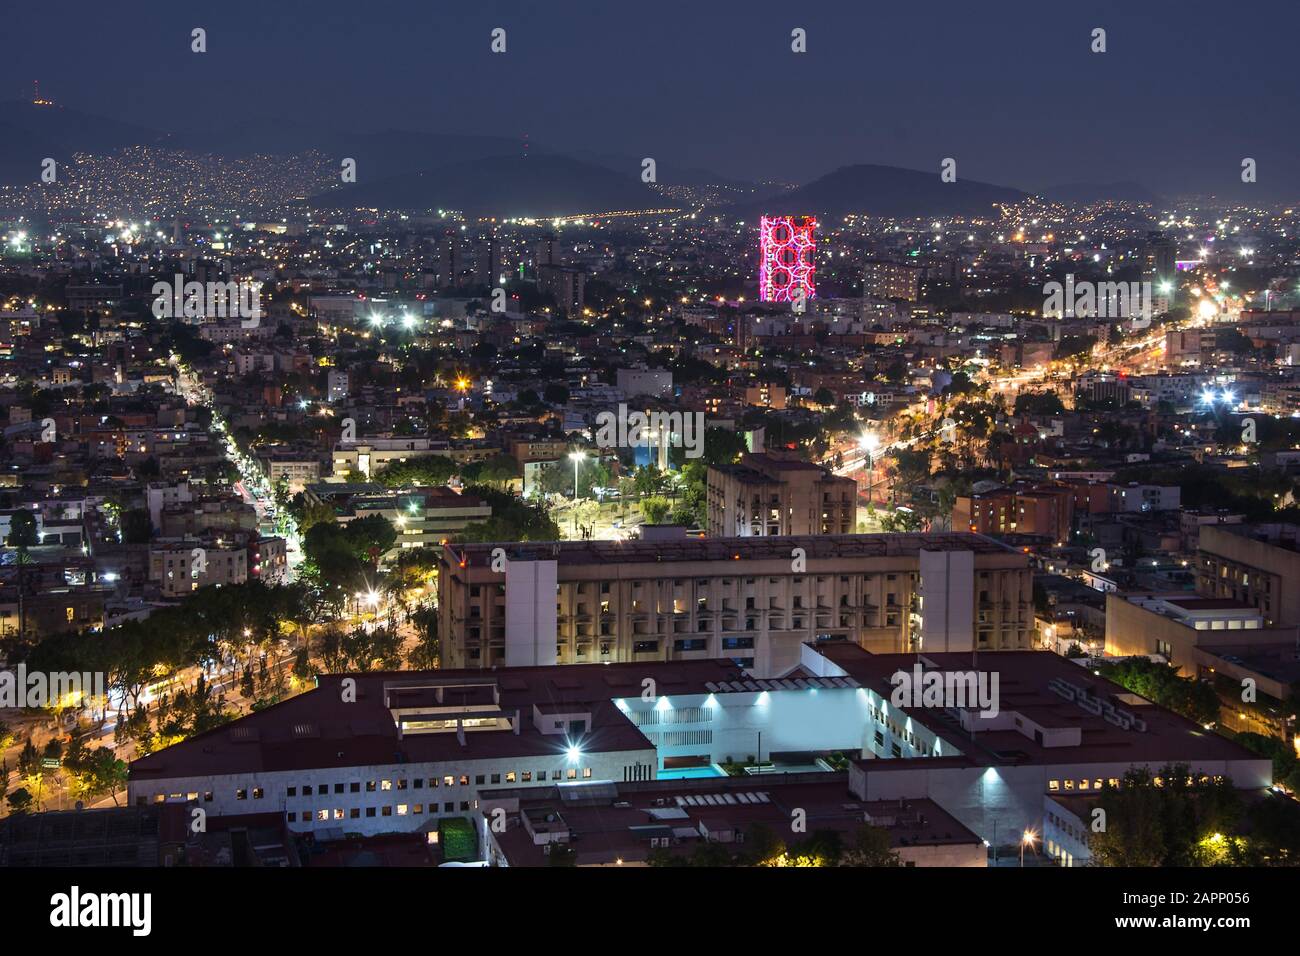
(23, 531)
(309, 514)
(375, 649)
(1160, 683)
(901, 519)
(497, 471)
(650, 480)
(1180, 821)
(512, 519)
(96, 774)
(426, 654)
(427, 470)
(332, 650)
(1039, 403)
(872, 846)
(654, 510)
(302, 668)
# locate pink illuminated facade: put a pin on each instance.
(786, 258)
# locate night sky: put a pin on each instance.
(1010, 89)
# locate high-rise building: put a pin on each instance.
(1159, 267)
(488, 266)
(882, 279)
(547, 252)
(449, 264)
(567, 286)
(787, 265)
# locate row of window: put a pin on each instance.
(416, 783)
(1084, 784)
(400, 810)
(1095, 784)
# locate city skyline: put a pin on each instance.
(744, 436)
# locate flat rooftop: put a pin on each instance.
(1209, 604)
(319, 730)
(818, 546)
(1023, 687)
(608, 822)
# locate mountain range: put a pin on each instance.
(492, 175)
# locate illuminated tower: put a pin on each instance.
(786, 258)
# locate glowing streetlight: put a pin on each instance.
(577, 457)
(1026, 840)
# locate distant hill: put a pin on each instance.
(378, 155)
(29, 134)
(666, 171)
(883, 191)
(1084, 193)
(540, 186)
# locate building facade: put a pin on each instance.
(755, 600)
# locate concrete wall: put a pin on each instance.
(530, 613)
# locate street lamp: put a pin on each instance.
(577, 458)
(1027, 839)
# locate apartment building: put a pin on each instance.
(425, 517)
(753, 600)
(882, 279)
(370, 455)
(179, 567)
(766, 495)
(1046, 510)
(296, 469)
(1258, 564)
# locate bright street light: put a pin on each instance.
(577, 458)
(1027, 839)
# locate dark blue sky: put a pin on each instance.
(1010, 89)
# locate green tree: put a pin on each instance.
(426, 654)
(654, 510)
(98, 773)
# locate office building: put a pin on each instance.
(767, 495)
